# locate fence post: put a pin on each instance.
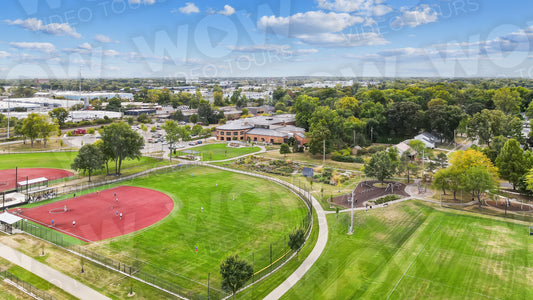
(271, 257)
(253, 262)
(208, 278)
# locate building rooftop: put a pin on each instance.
(263, 121)
(267, 132)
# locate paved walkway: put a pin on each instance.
(320, 245)
(55, 277)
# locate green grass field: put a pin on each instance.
(62, 160)
(213, 152)
(262, 213)
(39, 283)
(412, 250)
(59, 160)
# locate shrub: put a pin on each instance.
(347, 158)
(387, 198)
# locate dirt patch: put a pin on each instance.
(370, 189)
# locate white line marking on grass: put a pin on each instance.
(414, 259)
(449, 286)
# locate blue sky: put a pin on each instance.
(192, 38)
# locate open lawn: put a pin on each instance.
(414, 251)
(62, 160)
(315, 160)
(212, 152)
(58, 160)
(262, 213)
(104, 280)
(38, 145)
(39, 283)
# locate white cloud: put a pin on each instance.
(301, 52)
(111, 53)
(310, 22)
(323, 29)
(259, 48)
(86, 48)
(422, 14)
(344, 39)
(34, 24)
(365, 7)
(283, 50)
(4, 54)
(228, 10)
(189, 8)
(41, 47)
(104, 39)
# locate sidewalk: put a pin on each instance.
(55, 277)
(320, 245)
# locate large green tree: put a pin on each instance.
(507, 100)
(60, 114)
(32, 126)
(172, 134)
(114, 104)
(510, 162)
(477, 180)
(444, 119)
(380, 166)
(122, 143)
(404, 119)
(235, 272)
(304, 108)
(46, 128)
(89, 159)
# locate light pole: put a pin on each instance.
(8, 113)
(351, 211)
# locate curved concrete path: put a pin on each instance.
(320, 243)
(62, 281)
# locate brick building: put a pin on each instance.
(269, 129)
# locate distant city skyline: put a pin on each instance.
(340, 38)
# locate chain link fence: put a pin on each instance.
(25, 286)
(264, 261)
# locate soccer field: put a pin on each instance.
(413, 251)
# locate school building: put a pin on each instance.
(275, 129)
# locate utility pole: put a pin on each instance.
(8, 113)
(423, 161)
(324, 153)
(351, 211)
(371, 134)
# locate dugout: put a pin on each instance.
(6, 222)
(42, 193)
(31, 184)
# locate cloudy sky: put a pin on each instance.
(192, 38)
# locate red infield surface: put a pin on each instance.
(96, 214)
(7, 177)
